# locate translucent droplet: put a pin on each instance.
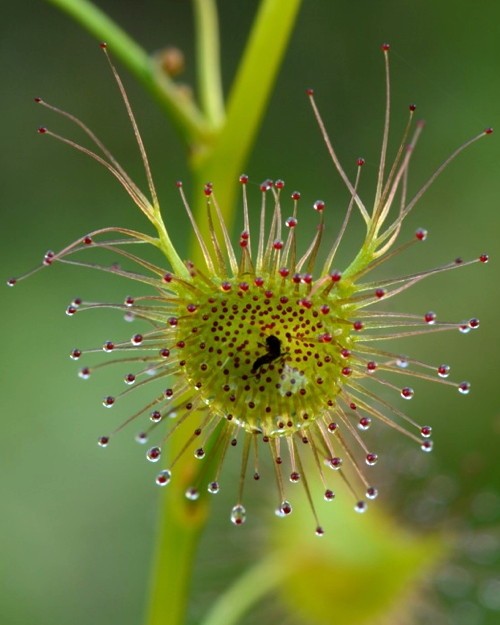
(329, 495)
(163, 477)
(153, 454)
(319, 531)
(294, 477)
(213, 488)
(103, 441)
(464, 388)
(402, 362)
(84, 373)
(238, 515)
(155, 416)
(371, 492)
(407, 392)
(335, 463)
(284, 509)
(444, 371)
(427, 445)
(426, 431)
(364, 423)
(199, 453)
(141, 437)
(371, 459)
(108, 401)
(192, 493)
(361, 507)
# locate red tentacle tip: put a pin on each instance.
(103, 45)
(37, 100)
(488, 131)
(360, 162)
(484, 258)
(310, 92)
(412, 107)
(385, 47)
(243, 178)
(11, 281)
(42, 130)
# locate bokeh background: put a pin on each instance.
(76, 524)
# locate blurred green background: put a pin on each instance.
(77, 525)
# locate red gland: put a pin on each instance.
(407, 392)
(296, 195)
(421, 234)
(385, 47)
(310, 92)
(243, 178)
(430, 318)
(360, 162)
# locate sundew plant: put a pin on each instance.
(257, 344)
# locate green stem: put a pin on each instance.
(208, 61)
(255, 583)
(179, 107)
(179, 528)
(224, 160)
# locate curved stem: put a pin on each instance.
(254, 584)
(179, 107)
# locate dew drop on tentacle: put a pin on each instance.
(153, 454)
(163, 477)
(192, 493)
(464, 388)
(329, 495)
(238, 515)
(213, 488)
(284, 509)
(361, 507)
(427, 445)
